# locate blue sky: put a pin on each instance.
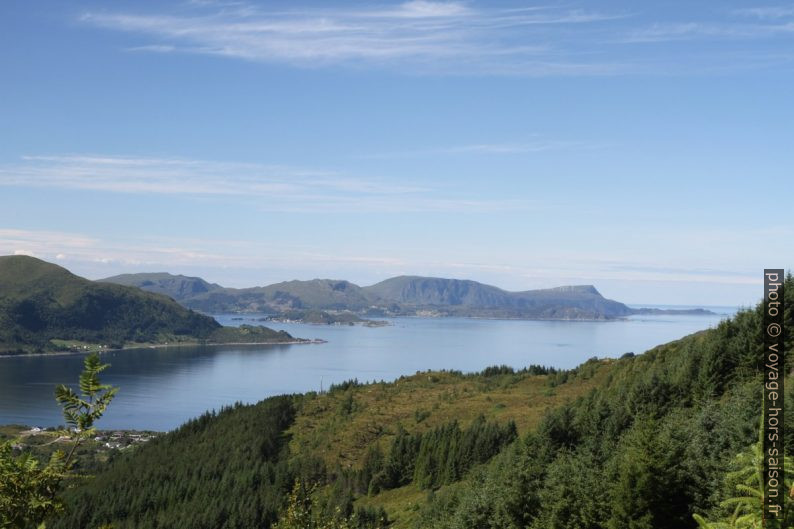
(635, 146)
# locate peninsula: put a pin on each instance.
(44, 308)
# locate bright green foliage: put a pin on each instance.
(28, 489)
(298, 514)
(301, 513)
(82, 411)
(745, 508)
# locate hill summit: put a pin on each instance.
(44, 307)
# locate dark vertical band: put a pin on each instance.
(774, 373)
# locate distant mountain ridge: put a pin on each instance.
(397, 296)
(174, 286)
(45, 308)
(466, 297)
(198, 294)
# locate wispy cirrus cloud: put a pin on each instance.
(738, 24)
(457, 37)
(449, 36)
(699, 30)
(287, 189)
(767, 12)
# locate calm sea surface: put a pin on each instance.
(161, 388)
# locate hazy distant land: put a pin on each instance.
(398, 296)
(46, 308)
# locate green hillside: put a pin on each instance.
(643, 442)
(44, 308)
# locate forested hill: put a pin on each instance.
(643, 442)
(44, 307)
(403, 295)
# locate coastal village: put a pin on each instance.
(44, 441)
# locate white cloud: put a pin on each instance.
(424, 9)
(767, 12)
(454, 37)
(271, 187)
(155, 48)
(759, 27)
(426, 35)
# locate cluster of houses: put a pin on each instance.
(121, 440)
(118, 440)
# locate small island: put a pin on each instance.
(321, 317)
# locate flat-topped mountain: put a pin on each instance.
(44, 307)
(397, 296)
(423, 291)
(464, 297)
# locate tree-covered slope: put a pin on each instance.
(44, 307)
(220, 470)
(643, 442)
(648, 449)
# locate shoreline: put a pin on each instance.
(497, 318)
(313, 341)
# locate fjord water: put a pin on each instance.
(163, 387)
